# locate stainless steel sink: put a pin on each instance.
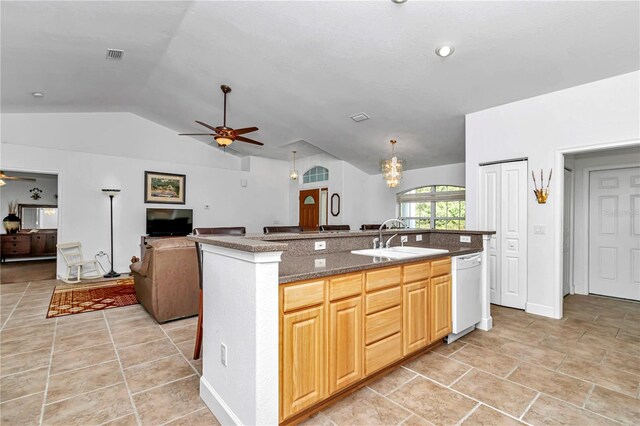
(399, 252)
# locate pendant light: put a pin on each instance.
(392, 168)
(294, 173)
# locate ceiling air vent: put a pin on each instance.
(360, 117)
(115, 54)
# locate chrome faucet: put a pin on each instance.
(382, 244)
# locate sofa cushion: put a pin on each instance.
(165, 243)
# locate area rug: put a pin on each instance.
(78, 298)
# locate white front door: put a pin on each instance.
(513, 227)
(567, 226)
(614, 233)
(490, 221)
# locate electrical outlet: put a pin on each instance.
(404, 238)
(465, 238)
(418, 237)
(320, 245)
(223, 354)
(320, 263)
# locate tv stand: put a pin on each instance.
(146, 239)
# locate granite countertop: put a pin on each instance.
(341, 234)
(239, 243)
(296, 268)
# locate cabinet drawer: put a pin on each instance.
(348, 285)
(440, 267)
(16, 238)
(416, 272)
(16, 247)
(375, 280)
(383, 353)
(302, 295)
(382, 324)
(381, 300)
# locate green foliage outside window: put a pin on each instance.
(434, 207)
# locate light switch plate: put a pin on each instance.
(419, 237)
(465, 238)
(320, 245)
(539, 229)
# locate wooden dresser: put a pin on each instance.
(38, 244)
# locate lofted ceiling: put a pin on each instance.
(299, 70)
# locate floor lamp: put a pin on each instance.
(111, 193)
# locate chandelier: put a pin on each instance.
(392, 168)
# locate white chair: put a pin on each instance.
(72, 254)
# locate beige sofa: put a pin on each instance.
(166, 280)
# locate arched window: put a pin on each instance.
(316, 174)
(433, 207)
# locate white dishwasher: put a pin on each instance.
(466, 302)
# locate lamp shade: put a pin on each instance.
(111, 192)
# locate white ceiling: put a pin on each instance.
(298, 70)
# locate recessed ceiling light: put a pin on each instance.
(444, 51)
(38, 94)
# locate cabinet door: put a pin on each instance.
(345, 343)
(303, 366)
(440, 307)
(38, 242)
(415, 316)
(50, 243)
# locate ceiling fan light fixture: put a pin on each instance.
(2, 183)
(223, 140)
(444, 51)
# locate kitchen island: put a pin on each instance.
(294, 321)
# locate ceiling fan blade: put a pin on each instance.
(196, 134)
(243, 139)
(207, 126)
(245, 130)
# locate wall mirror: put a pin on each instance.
(38, 216)
(335, 205)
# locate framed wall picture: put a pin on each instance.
(164, 188)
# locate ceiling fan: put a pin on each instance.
(4, 177)
(224, 135)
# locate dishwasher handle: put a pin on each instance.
(469, 261)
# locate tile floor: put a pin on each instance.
(119, 367)
(115, 367)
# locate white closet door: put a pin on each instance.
(513, 238)
(490, 221)
(567, 234)
(614, 233)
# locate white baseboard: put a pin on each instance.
(485, 324)
(216, 404)
(536, 309)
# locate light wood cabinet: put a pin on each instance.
(440, 307)
(303, 360)
(336, 331)
(345, 343)
(416, 316)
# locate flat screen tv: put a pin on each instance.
(165, 222)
